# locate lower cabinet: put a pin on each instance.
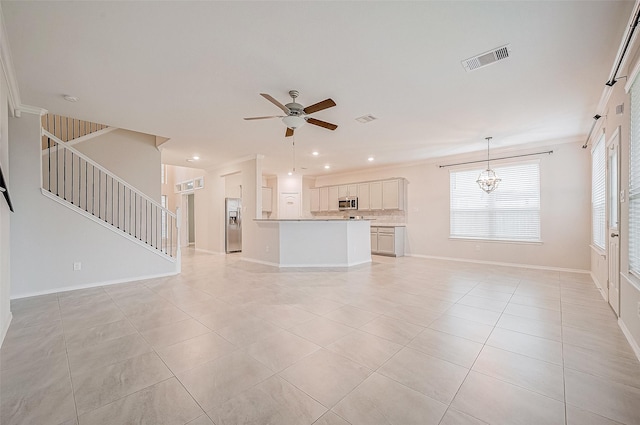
(387, 240)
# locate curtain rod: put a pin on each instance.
(496, 159)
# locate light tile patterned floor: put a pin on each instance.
(401, 341)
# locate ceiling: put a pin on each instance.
(190, 71)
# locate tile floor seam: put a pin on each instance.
(163, 362)
(473, 364)
(73, 392)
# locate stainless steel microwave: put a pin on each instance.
(348, 203)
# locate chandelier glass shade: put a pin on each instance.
(488, 180)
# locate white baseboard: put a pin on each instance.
(599, 286)
(92, 285)
(253, 260)
(206, 251)
(497, 263)
(5, 328)
(627, 333)
(289, 266)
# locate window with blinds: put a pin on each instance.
(510, 213)
(598, 194)
(634, 182)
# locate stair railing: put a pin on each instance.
(77, 179)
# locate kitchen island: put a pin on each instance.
(312, 242)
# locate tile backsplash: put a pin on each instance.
(386, 216)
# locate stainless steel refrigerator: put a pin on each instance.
(233, 226)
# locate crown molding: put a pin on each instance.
(6, 62)
(29, 110)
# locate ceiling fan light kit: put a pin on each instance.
(293, 122)
(488, 180)
(297, 115)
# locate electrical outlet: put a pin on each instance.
(266, 248)
(77, 266)
(477, 247)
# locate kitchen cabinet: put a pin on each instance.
(267, 200)
(363, 196)
(314, 194)
(333, 198)
(387, 240)
(347, 190)
(393, 195)
(375, 195)
(374, 240)
(324, 199)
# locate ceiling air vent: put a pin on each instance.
(486, 58)
(366, 118)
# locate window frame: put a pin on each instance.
(602, 145)
(497, 166)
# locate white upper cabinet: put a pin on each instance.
(315, 199)
(333, 198)
(363, 196)
(347, 190)
(324, 199)
(393, 195)
(375, 195)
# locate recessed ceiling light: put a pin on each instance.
(315, 153)
(326, 167)
(71, 98)
(370, 159)
(290, 173)
(190, 159)
(196, 157)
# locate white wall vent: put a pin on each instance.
(486, 58)
(366, 118)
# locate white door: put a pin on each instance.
(289, 205)
(613, 213)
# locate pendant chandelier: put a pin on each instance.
(488, 180)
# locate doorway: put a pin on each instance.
(188, 219)
(613, 220)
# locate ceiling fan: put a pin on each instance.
(297, 114)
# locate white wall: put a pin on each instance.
(47, 238)
(233, 186)
(221, 182)
(130, 155)
(610, 121)
(565, 206)
(5, 216)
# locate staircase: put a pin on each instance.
(68, 129)
(75, 180)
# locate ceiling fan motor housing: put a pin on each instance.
(295, 108)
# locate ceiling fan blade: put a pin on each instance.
(324, 124)
(289, 132)
(327, 103)
(264, 118)
(275, 102)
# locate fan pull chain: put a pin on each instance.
(294, 152)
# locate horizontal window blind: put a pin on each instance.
(598, 195)
(634, 182)
(511, 212)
